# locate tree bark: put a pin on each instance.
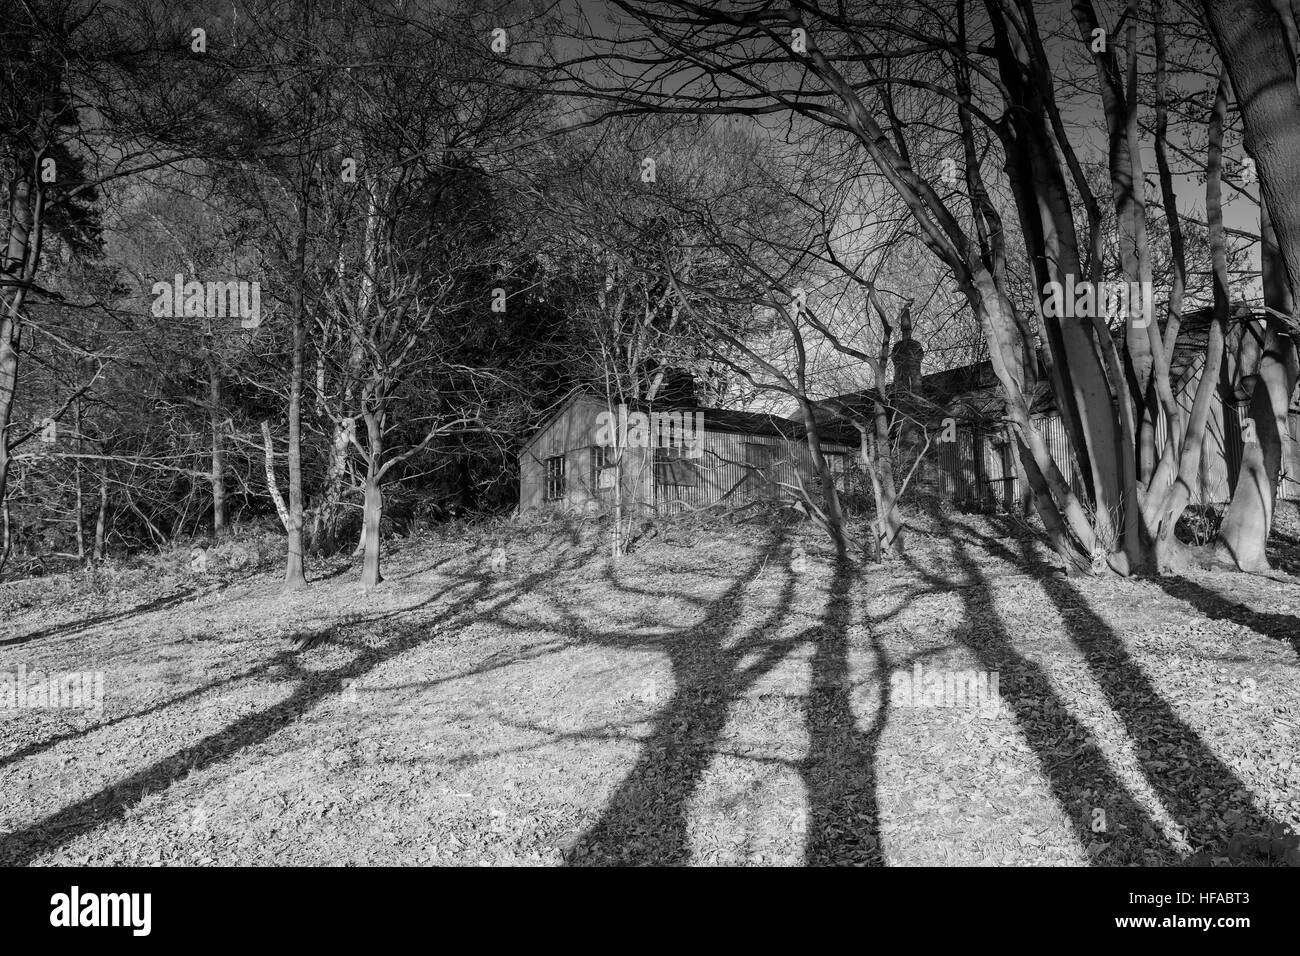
(1251, 39)
(830, 494)
(1104, 441)
(1251, 36)
(271, 486)
(1158, 485)
(890, 531)
(18, 269)
(76, 480)
(1174, 500)
(294, 577)
(1244, 534)
(6, 544)
(218, 473)
(101, 519)
(325, 523)
(324, 534)
(373, 510)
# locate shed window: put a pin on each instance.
(554, 477)
(603, 470)
(838, 463)
(673, 468)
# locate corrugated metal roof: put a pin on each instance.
(715, 419)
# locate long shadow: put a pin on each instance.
(22, 846)
(1284, 545)
(1069, 757)
(86, 623)
(839, 770)
(326, 633)
(1199, 790)
(1277, 627)
(645, 820)
(37, 747)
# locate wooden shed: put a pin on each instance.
(672, 459)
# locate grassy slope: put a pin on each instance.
(705, 702)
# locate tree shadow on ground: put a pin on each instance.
(1218, 607)
(82, 625)
(714, 663)
(47, 743)
(112, 802)
(1068, 755)
(1201, 792)
(839, 771)
(1283, 548)
(645, 820)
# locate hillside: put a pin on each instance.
(711, 700)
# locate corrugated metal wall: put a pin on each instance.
(977, 471)
(733, 468)
(982, 469)
(1289, 485)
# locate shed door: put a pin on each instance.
(758, 465)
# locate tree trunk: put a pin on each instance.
(1073, 535)
(294, 578)
(325, 521)
(616, 532)
(1243, 536)
(1173, 502)
(1041, 493)
(22, 255)
(1158, 486)
(890, 529)
(941, 232)
(218, 474)
(271, 486)
(1244, 533)
(1103, 441)
(101, 519)
(6, 545)
(830, 494)
(76, 483)
(374, 503)
(1251, 38)
(374, 510)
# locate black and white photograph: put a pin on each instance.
(651, 433)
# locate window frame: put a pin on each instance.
(603, 458)
(554, 479)
(674, 463)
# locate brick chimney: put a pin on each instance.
(907, 353)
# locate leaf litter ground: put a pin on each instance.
(715, 701)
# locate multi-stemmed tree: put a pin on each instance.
(846, 68)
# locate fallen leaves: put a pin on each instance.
(699, 705)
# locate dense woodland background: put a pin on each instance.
(460, 213)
